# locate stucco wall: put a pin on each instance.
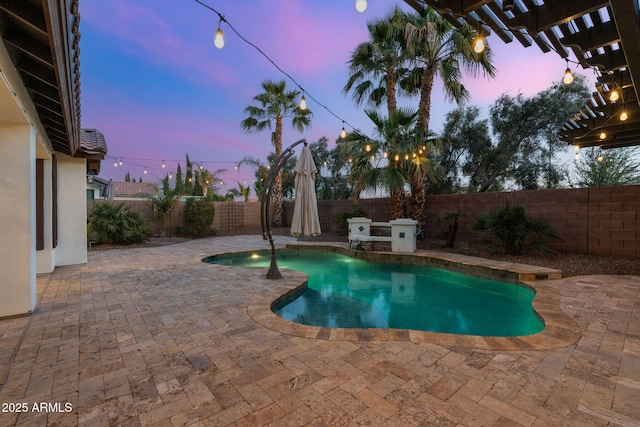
(72, 212)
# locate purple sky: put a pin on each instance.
(157, 87)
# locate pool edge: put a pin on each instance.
(560, 330)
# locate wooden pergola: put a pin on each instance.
(602, 35)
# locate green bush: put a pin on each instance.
(340, 219)
(198, 218)
(511, 225)
(117, 224)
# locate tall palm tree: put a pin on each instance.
(437, 48)
(274, 105)
(376, 65)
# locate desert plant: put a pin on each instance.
(116, 223)
(198, 218)
(449, 234)
(162, 206)
(340, 219)
(511, 225)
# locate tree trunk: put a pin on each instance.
(277, 193)
(392, 105)
(418, 186)
(397, 204)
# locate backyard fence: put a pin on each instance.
(600, 221)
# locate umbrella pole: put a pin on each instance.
(265, 199)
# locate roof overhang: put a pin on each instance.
(604, 35)
(41, 38)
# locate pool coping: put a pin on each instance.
(560, 330)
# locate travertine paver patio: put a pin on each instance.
(153, 336)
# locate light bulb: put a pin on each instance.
(120, 162)
(367, 147)
(350, 160)
(397, 157)
(303, 103)
(170, 176)
(218, 41)
(406, 157)
(624, 116)
(343, 133)
(163, 164)
(478, 45)
(568, 77)
(115, 164)
(614, 96)
(600, 158)
(145, 170)
(384, 154)
(603, 135)
(577, 155)
(361, 5)
(577, 147)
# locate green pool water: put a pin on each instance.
(345, 292)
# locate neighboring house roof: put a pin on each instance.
(133, 189)
(41, 38)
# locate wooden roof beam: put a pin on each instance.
(601, 35)
(627, 17)
(554, 12)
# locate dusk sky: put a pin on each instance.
(155, 85)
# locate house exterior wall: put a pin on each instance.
(72, 211)
(17, 219)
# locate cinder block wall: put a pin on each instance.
(600, 221)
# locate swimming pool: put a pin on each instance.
(345, 292)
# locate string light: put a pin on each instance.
(603, 134)
(218, 41)
(478, 44)
(303, 102)
(163, 166)
(624, 116)
(600, 157)
(343, 132)
(568, 75)
(361, 5)
(614, 95)
(145, 170)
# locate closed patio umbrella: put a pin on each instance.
(305, 212)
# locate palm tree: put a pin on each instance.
(207, 179)
(274, 105)
(437, 48)
(397, 153)
(376, 65)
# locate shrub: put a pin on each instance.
(511, 225)
(340, 219)
(116, 223)
(449, 234)
(198, 218)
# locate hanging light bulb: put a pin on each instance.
(614, 95)
(385, 154)
(361, 5)
(170, 176)
(218, 40)
(568, 75)
(406, 157)
(577, 147)
(115, 163)
(478, 44)
(600, 157)
(343, 132)
(397, 157)
(145, 170)
(350, 160)
(624, 116)
(201, 166)
(303, 102)
(603, 135)
(120, 161)
(577, 155)
(367, 147)
(163, 166)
